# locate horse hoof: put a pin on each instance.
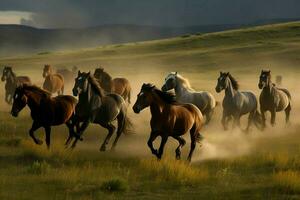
(103, 148)
(178, 158)
(39, 142)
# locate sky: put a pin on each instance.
(85, 13)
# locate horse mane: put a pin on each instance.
(184, 81)
(96, 86)
(234, 82)
(106, 76)
(36, 89)
(167, 97)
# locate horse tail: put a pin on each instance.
(127, 127)
(257, 119)
(129, 96)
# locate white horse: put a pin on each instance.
(205, 101)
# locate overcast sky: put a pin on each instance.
(83, 13)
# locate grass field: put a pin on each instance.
(229, 165)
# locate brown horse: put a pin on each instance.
(45, 110)
(169, 119)
(53, 82)
(12, 82)
(119, 86)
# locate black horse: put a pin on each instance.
(96, 107)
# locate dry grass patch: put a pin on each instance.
(287, 181)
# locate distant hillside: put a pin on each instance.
(21, 40)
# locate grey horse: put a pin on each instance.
(12, 82)
(273, 99)
(236, 103)
(96, 107)
(205, 101)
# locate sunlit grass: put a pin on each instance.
(287, 181)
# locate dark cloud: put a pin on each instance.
(78, 13)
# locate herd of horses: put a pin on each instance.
(103, 100)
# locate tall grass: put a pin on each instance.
(287, 181)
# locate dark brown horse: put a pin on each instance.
(169, 119)
(273, 99)
(45, 110)
(12, 82)
(53, 82)
(119, 86)
(94, 106)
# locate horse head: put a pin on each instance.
(222, 81)
(6, 72)
(144, 98)
(47, 70)
(20, 101)
(81, 83)
(264, 79)
(170, 82)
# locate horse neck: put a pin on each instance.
(268, 88)
(157, 106)
(229, 90)
(33, 100)
(12, 79)
(180, 89)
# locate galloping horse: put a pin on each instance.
(45, 110)
(273, 99)
(185, 94)
(169, 119)
(96, 107)
(119, 86)
(53, 82)
(12, 82)
(236, 103)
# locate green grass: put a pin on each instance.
(269, 169)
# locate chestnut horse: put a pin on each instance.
(45, 110)
(169, 118)
(119, 86)
(12, 82)
(53, 82)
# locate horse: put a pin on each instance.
(205, 101)
(236, 104)
(96, 107)
(169, 118)
(119, 86)
(273, 99)
(68, 74)
(46, 111)
(53, 82)
(12, 82)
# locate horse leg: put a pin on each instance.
(164, 139)
(153, 136)
(48, 132)
(80, 131)
(273, 117)
(111, 128)
(250, 120)
(224, 121)
(121, 124)
(193, 145)
(263, 119)
(287, 113)
(181, 144)
(129, 96)
(34, 127)
(70, 126)
(209, 116)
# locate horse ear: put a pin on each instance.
(221, 73)
(176, 73)
(269, 71)
(89, 73)
(227, 74)
(79, 72)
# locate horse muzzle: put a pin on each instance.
(136, 109)
(218, 89)
(2, 78)
(164, 88)
(260, 85)
(14, 113)
(76, 91)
